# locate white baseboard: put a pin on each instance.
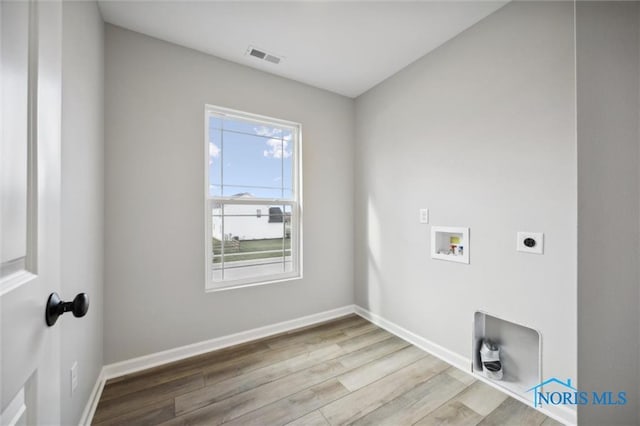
(94, 398)
(152, 360)
(559, 413)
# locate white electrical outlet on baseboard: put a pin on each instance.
(74, 377)
(424, 215)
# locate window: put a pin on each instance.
(252, 166)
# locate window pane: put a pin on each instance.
(287, 165)
(256, 162)
(215, 163)
(248, 243)
(288, 237)
(251, 161)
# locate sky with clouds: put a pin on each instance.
(256, 159)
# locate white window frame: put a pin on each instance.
(295, 203)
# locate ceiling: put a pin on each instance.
(344, 47)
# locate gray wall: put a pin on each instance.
(82, 198)
(155, 95)
(607, 82)
(482, 132)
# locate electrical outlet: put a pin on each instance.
(424, 215)
(530, 242)
(74, 377)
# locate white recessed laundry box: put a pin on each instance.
(450, 243)
(520, 352)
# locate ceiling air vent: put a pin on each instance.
(257, 53)
(273, 59)
(260, 54)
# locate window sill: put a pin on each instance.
(212, 288)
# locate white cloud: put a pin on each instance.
(267, 131)
(214, 152)
(277, 149)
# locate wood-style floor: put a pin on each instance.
(346, 371)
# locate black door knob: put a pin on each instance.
(56, 307)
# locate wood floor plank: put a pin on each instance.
(218, 372)
(314, 418)
(313, 335)
(309, 336)
(360, 355)
(193, 410)
(416, 403)
(363, 340)
(309, 333)
(359, 329)
(285, 410)
(551, 422)
(292, 383)
(253, 379)
(453, 413)
(365, 400)
(148, 415)
(151, 377)
(460, 375)
(381, 367)
(512, 412)
(117, 406)
(224, 370)
(240, 404)
(481, 398)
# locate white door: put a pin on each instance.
(29, 210)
